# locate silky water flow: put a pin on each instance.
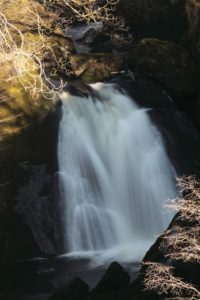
(114, 176)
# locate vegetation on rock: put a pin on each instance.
(180, 245)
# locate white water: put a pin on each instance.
(114, 176)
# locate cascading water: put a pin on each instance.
(114, 175)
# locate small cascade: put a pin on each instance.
(114, 176)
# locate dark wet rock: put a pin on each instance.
(77, 289)
(80, 89)
(93, 36)
(113, 285)
(181, 136)
(155, 18)
(182, 139)
(190, 271)
(145, 93)
(103, 48)
(89, 36)
(97, 41)
(193, 32)
(115, 279)
(27, 166)
(147, 10)
(38, 208)
(168, 63)
(96, 67)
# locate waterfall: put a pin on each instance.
(114, 175)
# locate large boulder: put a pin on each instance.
(161, 18)
(96, 67)
(112, 285)
(115, 279)
(168, 63)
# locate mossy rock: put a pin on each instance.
(92, 68)
(32, 32)
(19, 109)
(168, 63)
(193, 33)
(25, 14)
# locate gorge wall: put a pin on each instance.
(159, 57)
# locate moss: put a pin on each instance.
(22, 13)
(167, 62)
(19, 109)
(96, 67)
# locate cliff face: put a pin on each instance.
(164, 19)
(27, 112)
(36, 59)
(163, 48)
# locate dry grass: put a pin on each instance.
(180, 243)
(160, 279)
(188, 205)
